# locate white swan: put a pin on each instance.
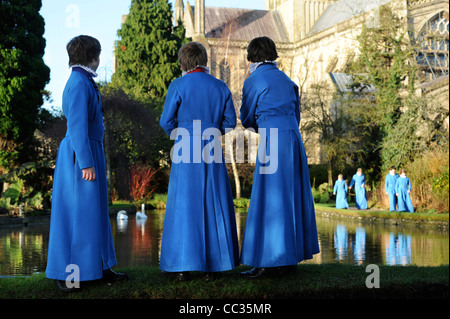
(122, 215)
(140, 215)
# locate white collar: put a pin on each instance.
(86, 68)
(255, 65)
(203, 67)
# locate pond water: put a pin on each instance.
(23, 250)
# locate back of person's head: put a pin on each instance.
(261, 49)
(83, 49)
(192, 55)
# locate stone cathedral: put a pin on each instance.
(315, 39)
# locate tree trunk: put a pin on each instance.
(234, 167)
(330, 175)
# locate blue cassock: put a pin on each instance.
(80, 230)
(281, 226)
(199, 232)
(389, 187)
(360, 192)
(402, 186)
(341, 190)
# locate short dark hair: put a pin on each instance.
(83, 49)
(192, 55)
(261, 49)
(392, 167)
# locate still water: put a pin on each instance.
(23, 250)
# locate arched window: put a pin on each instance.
(225, 72)
(433, 40)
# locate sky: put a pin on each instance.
(65, 19)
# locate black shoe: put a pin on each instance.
(61, 284)
(182, 276)
(110, 275)
(210, 276)
(251, 272)
(267, 272)
(179, 276)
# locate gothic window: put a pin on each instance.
(225, 72)
(433, 40)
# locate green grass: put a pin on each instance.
(380, 214)
(330, 281)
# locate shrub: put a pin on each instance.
(141, 181)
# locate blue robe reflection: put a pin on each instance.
(360, 191)
(389, 187)
(341, 190)
(402, 186)
(281, 227)
(80, 230)
(199, 232)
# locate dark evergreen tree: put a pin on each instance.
(147, 52)
(23, 76)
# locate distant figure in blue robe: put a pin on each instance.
(403, 192)
(340, 189)
(280, 229)
(389, 187)
(199, 231)
(80, 243)
(359, 181)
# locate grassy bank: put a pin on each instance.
(384, 215)
(329, 281)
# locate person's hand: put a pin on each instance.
(89, 174)
(396, 194)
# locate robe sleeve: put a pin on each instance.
(386, 184)
(168, 120)
(77, 100)
(352, 182)
(229, 115)
(335, 188)
(248, 107)
(408, 185)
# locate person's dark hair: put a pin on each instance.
(261, 49)
(83, 49)
(191, 55)
(392, 167)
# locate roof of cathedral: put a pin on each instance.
(245, 24)
(342, 11)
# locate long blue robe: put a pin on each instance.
(199, 232)
(402, 186)
(341, 190)
(281, 226)
(80, 231)
(389, 187)
(360, 192)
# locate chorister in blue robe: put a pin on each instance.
(359, 180)
(199, 232)
(402, 189)
(341, 190)
(389, 187)
(281, 227)
(80, 230)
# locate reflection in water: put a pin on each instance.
(398, 250)
(23, 250)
